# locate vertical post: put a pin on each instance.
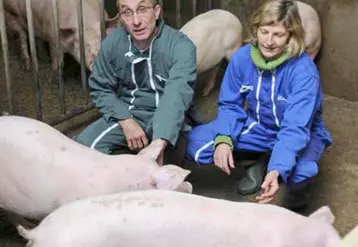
(161, 3)
(195, 9)
(82, 46)
(102, 19)
(61, 95)
(35, 68)
(5, 50)
(210, 4)
(178, 10)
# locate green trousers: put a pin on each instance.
(107, 137)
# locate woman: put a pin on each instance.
(281, 86)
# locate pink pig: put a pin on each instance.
(216, 34)
(42, 169)
(154, 218)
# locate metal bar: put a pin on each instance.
(102, 20)
(210, 4)
(61, 89)
(161, 3)
(195, 9)
(82, 46)
(178, 10)
(35, 68)
(73, 113)
(5, 50)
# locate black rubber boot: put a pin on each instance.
(298, 197)
(255, 173)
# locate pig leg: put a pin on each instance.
(24, 49)
(211, 82)
(16, 219)
(56, 57)
(209, 85)
(15, 27)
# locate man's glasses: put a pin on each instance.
(141, 10)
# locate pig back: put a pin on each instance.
(38, 165)
(312, 27)
(214, 33)
(168, 218)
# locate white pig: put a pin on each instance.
(156, 218)
(216, 34)
(312, 26)
(42, 169)
(69, 37)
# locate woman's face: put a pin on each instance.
(272, 40)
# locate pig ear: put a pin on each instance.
(67, 35)
(187, 187)
(323, 214)
(68, 28)
(171, 177)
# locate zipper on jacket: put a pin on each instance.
(258, 96)
(273, 82)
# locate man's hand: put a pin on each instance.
(155, 150)
(223, 158)
(135, 136)
(270, 187)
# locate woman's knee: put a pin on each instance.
(200, 144)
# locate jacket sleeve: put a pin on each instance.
(178, 92)
(294, 133)
(103, 83)
(231, 115)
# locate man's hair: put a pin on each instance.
(155, 2)
(276, 11)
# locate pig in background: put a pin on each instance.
(154, 218)
(312, 26)
(42, 169)
(44, 27)
(218, 33)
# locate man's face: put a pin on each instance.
(139, 17)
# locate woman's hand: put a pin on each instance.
(270, 187)
(223, 158)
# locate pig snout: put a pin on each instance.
(172, 177)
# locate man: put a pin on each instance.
(142, 82)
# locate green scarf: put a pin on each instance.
(260, 62)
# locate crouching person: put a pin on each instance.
(142, 82)
(283, 119)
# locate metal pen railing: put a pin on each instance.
(65, 114)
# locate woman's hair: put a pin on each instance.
(277, 11)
